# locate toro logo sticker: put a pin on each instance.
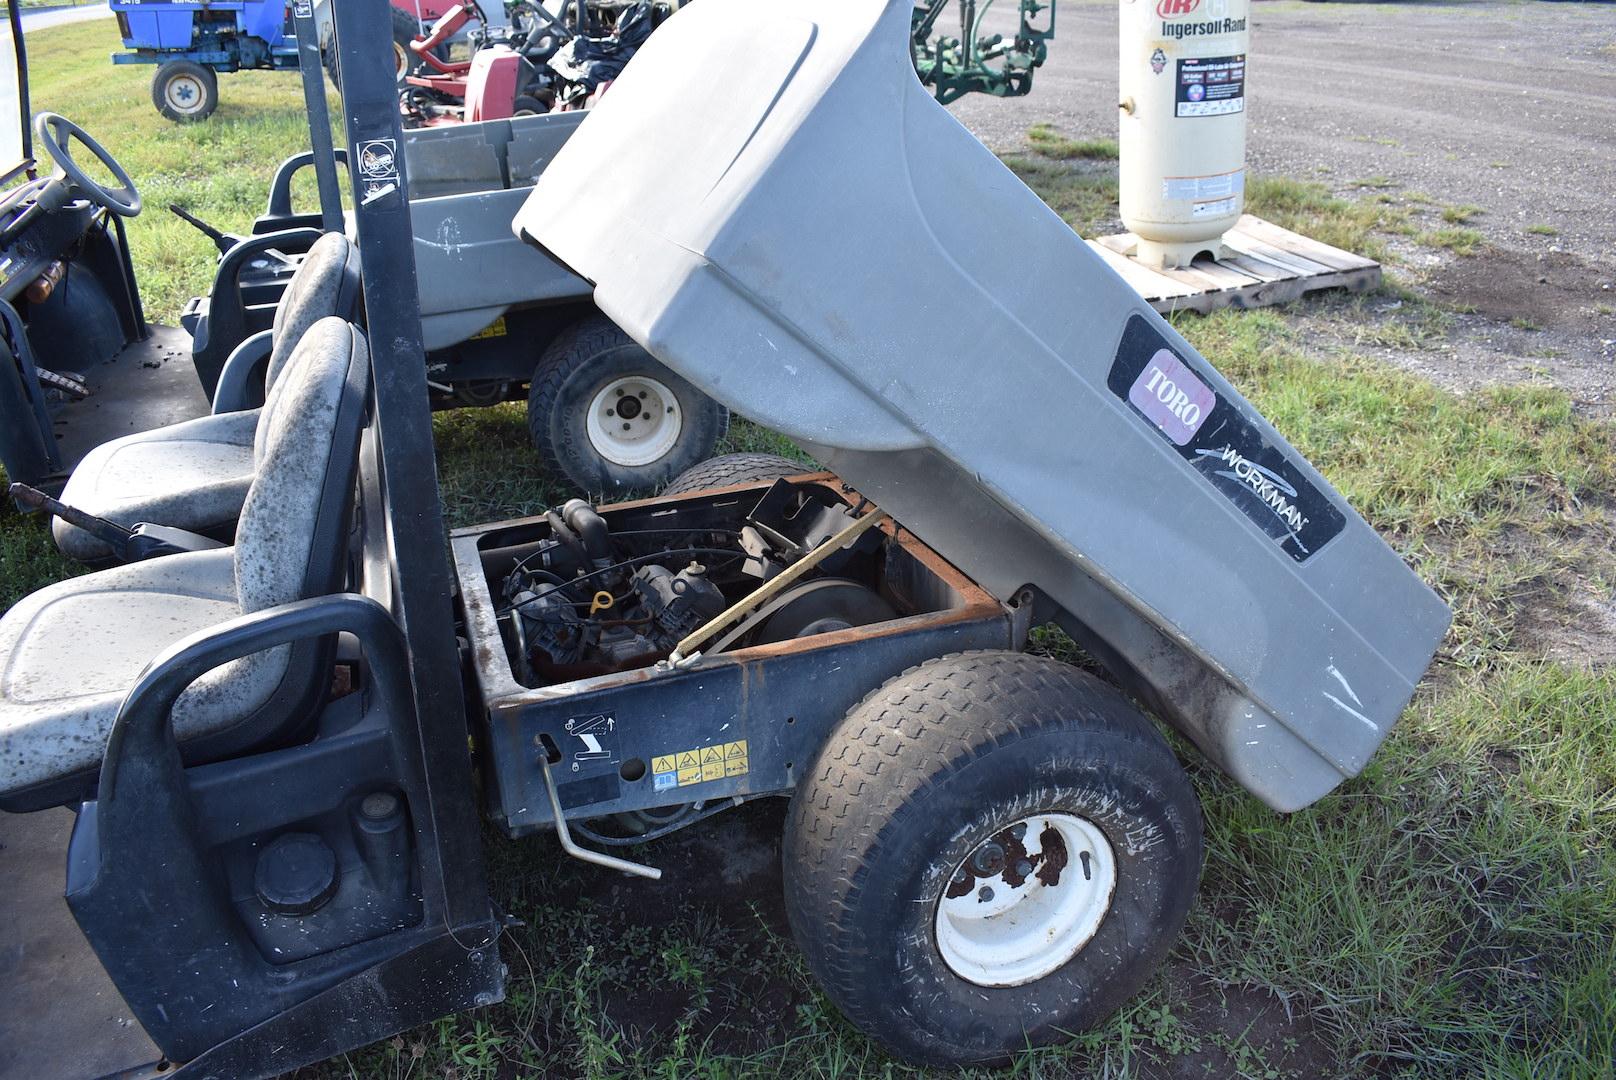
(1172, 9)
(1171, 395)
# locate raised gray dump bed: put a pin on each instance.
(816, 243)
(466, 182)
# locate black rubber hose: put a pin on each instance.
(591, 528)
(569, 540)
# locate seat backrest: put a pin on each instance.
(326, 284)
(289, 540)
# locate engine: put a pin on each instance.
(584, 601)
(658, 608)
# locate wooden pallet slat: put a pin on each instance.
(1263, 265)
(1306, 246)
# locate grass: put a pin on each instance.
(1543, 230)
(1308, 207)
(1459, 240)
(1451, 912)
(218, 170)
(1051, 144)
(1458, 215)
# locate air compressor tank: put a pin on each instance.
(1182, 129)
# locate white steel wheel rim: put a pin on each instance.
(634, 421)
(1016, 918)
(185, 93)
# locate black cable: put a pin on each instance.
(726, 803)
(521, 564)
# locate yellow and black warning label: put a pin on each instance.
(494, 329)
(698, 765)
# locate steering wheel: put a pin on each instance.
(54, 133)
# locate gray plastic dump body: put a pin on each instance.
(466, 182)
(816, 243)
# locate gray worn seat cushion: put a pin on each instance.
(314, 293)
(70, 652)
(293, 446)
(195, 475)
(192, 476)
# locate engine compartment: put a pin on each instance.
(582, 592)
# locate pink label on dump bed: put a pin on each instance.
(1172, 396)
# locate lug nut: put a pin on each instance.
(984, 894)
(988, 859)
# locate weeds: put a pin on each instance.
(1460, 241)
(1051, 144)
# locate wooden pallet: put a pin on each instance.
(1263, 264)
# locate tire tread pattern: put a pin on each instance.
(728, 469)
(919, 728)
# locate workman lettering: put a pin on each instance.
(1179, 30)
(1266, 486)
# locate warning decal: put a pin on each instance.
(1212, 186)
(1214, 208)
(1211, 86)
(699, 765)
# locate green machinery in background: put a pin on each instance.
(977, 63)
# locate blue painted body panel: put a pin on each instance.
(158, 31)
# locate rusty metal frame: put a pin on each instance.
(781, 699)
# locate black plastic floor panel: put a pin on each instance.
(61, 1015)
(150, 384)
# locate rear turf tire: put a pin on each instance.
(405, 29)
(572, 412)
(185, 92)
(936, 768)
(405, 62)
(728, 469)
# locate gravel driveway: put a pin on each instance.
(1510, 107)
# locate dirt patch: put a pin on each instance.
(704, 954)
(1507, 317)
(1524, 318)
(1243, 1032)
(1570, 616)
(1573, 628)
(1550, 289)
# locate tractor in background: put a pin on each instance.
(193, 42)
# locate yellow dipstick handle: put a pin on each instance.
(601, 602)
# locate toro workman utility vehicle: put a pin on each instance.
(277, 749)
